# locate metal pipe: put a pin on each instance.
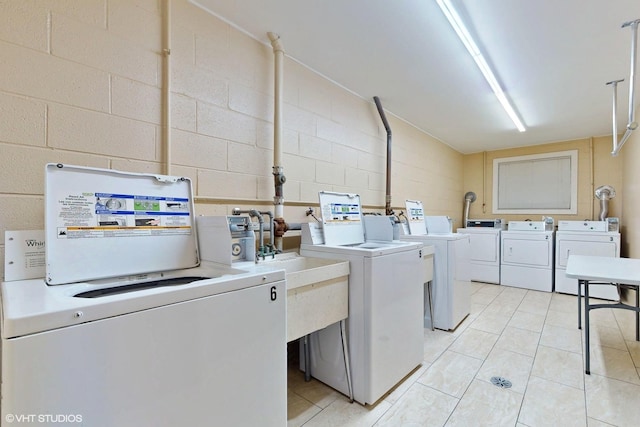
(631, 124)
(591, 182)
(278, 170)
(256, 214)
(272, 228)
(387, 206)
(166, 84)
(604, 209)
(253, 213)
(614, 85)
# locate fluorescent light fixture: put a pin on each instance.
(472, 47)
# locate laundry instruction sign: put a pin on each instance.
(24, 254)
(336, 213)
(101, 214)
(116, 223)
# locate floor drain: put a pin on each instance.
(501, 382)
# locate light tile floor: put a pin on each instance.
(530, 338)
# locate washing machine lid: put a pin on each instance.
(341, 218)
(438, 224)
(415, 214)
(102, 223)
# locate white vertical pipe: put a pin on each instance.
(278, 200)
(166, 84)
(591, 175)
(614, 85)
(632, 125)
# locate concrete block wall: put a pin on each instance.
(82, 81)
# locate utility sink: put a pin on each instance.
(317, 291)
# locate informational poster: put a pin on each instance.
(24, 255)
(96, 214)
(341, 218)
(415, 215)
(339, 213)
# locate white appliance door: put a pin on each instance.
(219, 360)
(527, 260)
(571, 244)
(484, 247)
(534, 251)
(581, 247)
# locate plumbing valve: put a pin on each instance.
(281, 227)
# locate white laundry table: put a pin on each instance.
(604, 271)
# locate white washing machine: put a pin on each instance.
(451, 287)
(161, 347)
(385, 328)
(599, 238)
(527, 255)
(485, 249)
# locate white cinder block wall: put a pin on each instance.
(80, 83)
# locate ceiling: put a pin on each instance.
(552, 58)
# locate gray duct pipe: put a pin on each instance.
(469, 198)
(387, 206)
(604, 193)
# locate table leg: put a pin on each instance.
(307, 357)
(580, 282)
(637, 289)
(586, 328)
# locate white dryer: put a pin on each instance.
(485, 249)
(385, 331)
(527, 255)
(599, 238)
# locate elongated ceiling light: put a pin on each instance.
(474, 51)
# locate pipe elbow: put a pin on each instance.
(276, 43)
(254, 213)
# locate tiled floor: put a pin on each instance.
(530, 338)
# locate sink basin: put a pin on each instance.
(317, 291)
